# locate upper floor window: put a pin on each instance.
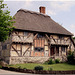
(61, 37)
(25, 33)
(39, 36)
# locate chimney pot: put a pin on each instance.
(42, 9)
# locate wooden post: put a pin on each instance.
(55, 51)
(49, 48)
(21, 49)
(60, 51)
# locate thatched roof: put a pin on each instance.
(33, 21)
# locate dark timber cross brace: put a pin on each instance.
(16, 51)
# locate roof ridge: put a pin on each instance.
(33, 12)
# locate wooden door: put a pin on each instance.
(52, 51)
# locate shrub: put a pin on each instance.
(50, 69)
(46, 63)
(24, 68)
(19, 67)
(53, 62)
(57, 60)
(69, 52)
(1, 59)
(71, 58)
(50, 61)
(38, 68)
(0, 66)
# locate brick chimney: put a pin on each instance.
(42, 9)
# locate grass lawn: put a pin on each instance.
(56, 67)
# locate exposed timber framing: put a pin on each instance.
(16, 51)
(26, 50)
(49, 44)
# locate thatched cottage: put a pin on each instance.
(36, 38)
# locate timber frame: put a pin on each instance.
(24, 43)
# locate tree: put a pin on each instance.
(73, 37)
(6, 23)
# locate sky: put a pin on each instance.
(61, 11)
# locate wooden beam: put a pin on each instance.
(26, 50)
(35, 36)
(49, 45)
(27, 36)
(15, 51)
(47, 37)
(18, 35)
(53, 39)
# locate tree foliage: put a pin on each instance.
(73, 37)
(6, 23)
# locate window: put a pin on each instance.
(63, 49)
(61, 37)
(39, 43)
(39, 36)
(39, 49)
(4, 47)
(25, 33)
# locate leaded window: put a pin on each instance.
(25, 33)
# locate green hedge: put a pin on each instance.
(38, 68)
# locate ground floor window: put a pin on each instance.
(63, 49)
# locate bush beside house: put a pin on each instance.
(71, 58)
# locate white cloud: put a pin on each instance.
(72, 26)
(60, 6)
(50, 12)
(27, 3)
